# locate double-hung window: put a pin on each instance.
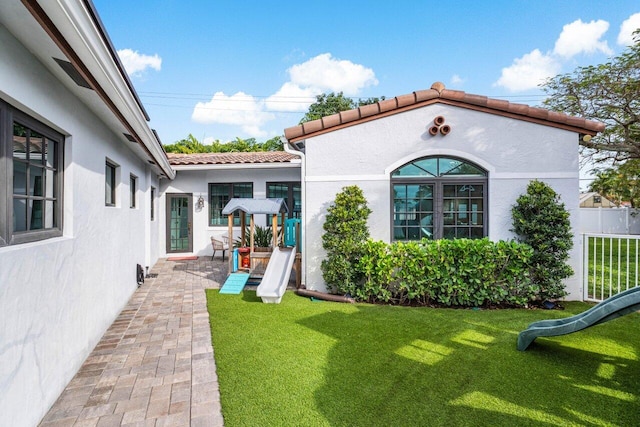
(31, 153)
(439, 197)
(219, 196)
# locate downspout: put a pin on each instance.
(303, 196)
(303, 292)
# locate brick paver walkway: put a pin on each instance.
(154, 366)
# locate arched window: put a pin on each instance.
(439, 197)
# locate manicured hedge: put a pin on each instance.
(461, 272)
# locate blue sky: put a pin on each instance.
(227, 69)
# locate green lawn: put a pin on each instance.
(305, 363)
(612, 263)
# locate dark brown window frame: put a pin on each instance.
(231, 196)
(438, 182)
(111, 198)
(8, 116)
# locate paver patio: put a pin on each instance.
(154, 366)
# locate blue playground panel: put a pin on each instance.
(234, 283)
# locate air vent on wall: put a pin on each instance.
(72, 72)
(129, 137)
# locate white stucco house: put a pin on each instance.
(80, 179)
(437, 163)
(88, 193)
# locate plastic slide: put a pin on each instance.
(616, 306)
(276, 277)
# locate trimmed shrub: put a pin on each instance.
(346, 231)
(542, 221)
(461, 272)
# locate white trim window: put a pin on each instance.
(31, 153)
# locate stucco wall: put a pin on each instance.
(512, 151)
(196, 183)
(58, 296)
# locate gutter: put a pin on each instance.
(232, 166)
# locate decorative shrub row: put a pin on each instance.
(462, 272)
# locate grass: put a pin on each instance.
(612, 266)
(304, 363)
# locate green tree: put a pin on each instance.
(332, 103)
(542, 221)
(620, 183)
(188, 145)
(609, 93)
(191, 145)
(346, 232)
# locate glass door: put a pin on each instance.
(179, 221)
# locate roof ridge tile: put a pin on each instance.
(455, 97)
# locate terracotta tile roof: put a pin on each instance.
(229, 158)
(438, 94)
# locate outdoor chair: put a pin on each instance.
(219, 243)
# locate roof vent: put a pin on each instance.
(129, 137)
(73, 73)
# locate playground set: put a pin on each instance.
(271, 269)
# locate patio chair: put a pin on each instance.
(219, 243)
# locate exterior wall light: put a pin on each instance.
(200, 202)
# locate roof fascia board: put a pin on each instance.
(236, 166)
(447, 102)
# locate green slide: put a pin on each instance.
(616, 306)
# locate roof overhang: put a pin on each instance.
(437, 94)
(70, 30)
(255, 206)
(237, 166)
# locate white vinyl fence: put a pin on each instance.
(610, 220)
(610, 263)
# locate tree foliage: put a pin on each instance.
(346, 232)
(609, 93)
(191, 145)
(332, 103)
(542, 221)
(620, 183)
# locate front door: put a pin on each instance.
(179, 221)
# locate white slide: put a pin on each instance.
(276, 277)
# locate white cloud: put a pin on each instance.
(291, 97)
(629, 25)
(325, 73)
(456, 80)
(136, 63)
(318, 75)
(239, 109)
(528, 72)
(582, 37)
(533, 68)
